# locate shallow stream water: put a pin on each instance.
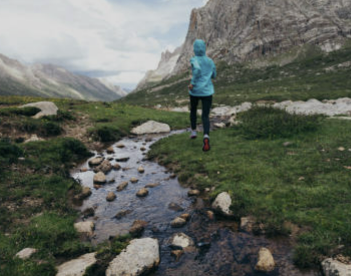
(221, 249)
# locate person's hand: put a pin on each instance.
(190, 86)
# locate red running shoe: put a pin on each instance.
(206, 146)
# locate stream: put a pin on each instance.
(221, 248)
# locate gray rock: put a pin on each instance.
(181, 240)
(134, 180)
(47, 109)
(220, 125)
(122, 186)
(335, 268)
(26, 253)
(222, 203)
(122, 159)
(178, 222)
(122, 214)
(151, 127)
(142, 192)
(86, 192)
(33, 138)
(175, 207)
(138, 258)
(86, 227)
(111, 196)
(138, 227)
(76, 267)
(152, 185)
(265, 261)
(105, 167)
(96, 161)
(110, 150)
(116, 166)
(141, 169)
(100, 178)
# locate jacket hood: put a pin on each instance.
(199, 47)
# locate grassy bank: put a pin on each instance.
(306, 182)
(313, 74)
(35, 186)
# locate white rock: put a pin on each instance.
(96, 161)
(33, 138)
(222, 204)
(151, 127)
(76, 267)
(219, 125)
(140, 256)
(85, 227)
(265, 261)
(335, 268)
(182, 240)
(26, 253)
(47, 109)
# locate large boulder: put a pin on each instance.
(47, 109)
(140, 256)
(76, 267)
(222, 204)
(333, 267)
(100, 178)
(151, 127)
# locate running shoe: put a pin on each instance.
(206, 146)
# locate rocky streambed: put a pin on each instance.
(139, 196)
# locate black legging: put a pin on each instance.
(206, 106)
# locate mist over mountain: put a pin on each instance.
(242, 31)
(47, 80)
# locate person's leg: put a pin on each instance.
(206, 107)
(193, 114)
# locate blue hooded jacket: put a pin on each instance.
(203, 71)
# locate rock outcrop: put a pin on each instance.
(140, 256)
(47, 109)
(333, 267)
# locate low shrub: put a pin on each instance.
(271, 123)
(105, 133)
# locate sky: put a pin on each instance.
(118, 40)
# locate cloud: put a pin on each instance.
(94, 35)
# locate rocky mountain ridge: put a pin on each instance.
(47, 80)
(239, 31)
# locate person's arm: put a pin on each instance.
(196, 72)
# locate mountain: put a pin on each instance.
(264, 50)
(165, 68)
(47, 80)
(241, 31)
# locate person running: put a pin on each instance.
(201, 88)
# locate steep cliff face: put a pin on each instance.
(244, 30)
(165, 68)
(48, 80)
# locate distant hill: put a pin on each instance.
(47, 80)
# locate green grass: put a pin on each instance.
(302, 79)
(305, 183)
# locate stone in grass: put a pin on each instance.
(265, 261)
(134, 180)
(151, 127)
(86, 227)
(222, 204)
(76, 267)
(193, 192)
(26, 253)
(142, 192)
(140, 257)
(100, 178)
(333, 267)
(111, 196)
(46, 108)
(122, 186)
(180, 240)
(96, 161)
(178, 222)
(137, 227)
(141, 169)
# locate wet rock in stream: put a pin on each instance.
(122, 186)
